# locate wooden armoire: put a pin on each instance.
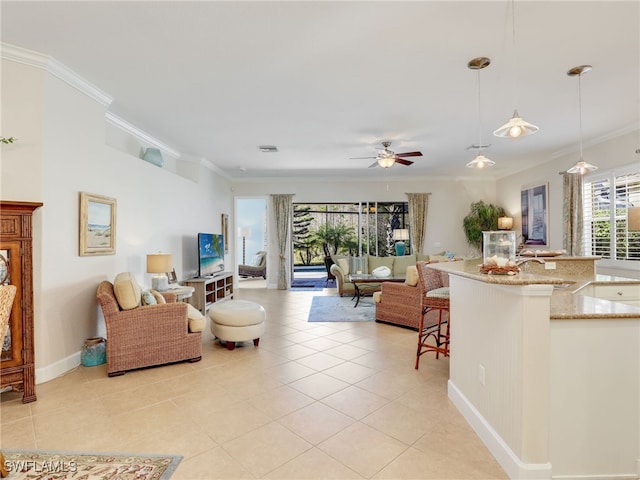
(17, 368)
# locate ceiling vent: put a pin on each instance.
(267, 148)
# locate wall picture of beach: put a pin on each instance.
(97, 224)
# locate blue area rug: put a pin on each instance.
(341, 309)
(312, 284)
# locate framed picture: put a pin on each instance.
(535, 215)
(225, 232)
(97, 225)
(173, 278)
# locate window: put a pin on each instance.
(606, 198)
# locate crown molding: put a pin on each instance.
(595, 141)
(55, 68)
(141, 135)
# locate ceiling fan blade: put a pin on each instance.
(359, 158)
(402, 161)
(409, 154)
(374, 164)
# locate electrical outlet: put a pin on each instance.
(481, 374)
(550, 265)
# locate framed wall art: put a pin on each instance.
(97, 225)
(225, 232)
(535, 215)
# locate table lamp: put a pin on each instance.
(505, 223)
(159, 264)
(400, 235)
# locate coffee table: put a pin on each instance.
(366, 284)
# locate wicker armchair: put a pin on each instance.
(259, 270)
(147, 335)
(401, 303)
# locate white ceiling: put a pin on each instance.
(326, 81)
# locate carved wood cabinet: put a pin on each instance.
(17, 368)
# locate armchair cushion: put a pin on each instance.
(375, 262)
(127, 291)
(158, 296)
(411, 276)
(400, 264)
(196, 319)
(343, 263)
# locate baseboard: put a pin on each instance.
(507, 459)
(58, 368)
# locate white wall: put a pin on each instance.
(62, 151)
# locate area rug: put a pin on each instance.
(341, 309)
(51, 465)
(311, 284)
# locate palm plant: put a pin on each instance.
(481, 217)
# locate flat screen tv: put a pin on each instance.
(210, 254)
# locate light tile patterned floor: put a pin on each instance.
(313, 401)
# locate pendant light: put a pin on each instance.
(480, 161)
(581, 166)
(516, 127)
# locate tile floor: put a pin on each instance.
(313, 401)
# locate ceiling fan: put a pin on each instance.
(386, 158)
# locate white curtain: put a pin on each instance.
(572, 213)
(282, 208)
(418, 205)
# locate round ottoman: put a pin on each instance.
(237, 321)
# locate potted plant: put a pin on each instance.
(481, 217)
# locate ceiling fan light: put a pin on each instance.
(481, 162)
(582, 167)
(386, 162)
(516, 127)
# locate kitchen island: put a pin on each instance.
(547, 375)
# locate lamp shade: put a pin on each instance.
(401, 234)
(505, 223)
(159, 262)
(516, 127)
(633, 219)
(481, 162)
(244, 231)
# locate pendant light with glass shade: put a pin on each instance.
(480, 161)
(516, 127)
(581, 166)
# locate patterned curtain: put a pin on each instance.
(282, 208)
(572, 213)
(418, 204)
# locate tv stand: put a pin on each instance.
(210, 289)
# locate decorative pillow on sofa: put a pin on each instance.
(148, 298)
(127, 291)
(196, 319)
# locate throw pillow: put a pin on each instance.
(196, 319)
(438, 258)
(343, 263)
(148, 298)
(127, 291)
(159, 297)
(257, 260)
(412, 276)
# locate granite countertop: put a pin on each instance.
(566, 303)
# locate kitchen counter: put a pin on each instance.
(565, 302)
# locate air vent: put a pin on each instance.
(267, 148)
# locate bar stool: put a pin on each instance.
(436, 297)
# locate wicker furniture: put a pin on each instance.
(436, 300)
(147, 335)
(259, 270)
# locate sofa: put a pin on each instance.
(143, 331)
(401, 303)
(344, 265)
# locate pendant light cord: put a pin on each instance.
(580, 110)
(479, 118)
(514, 59)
